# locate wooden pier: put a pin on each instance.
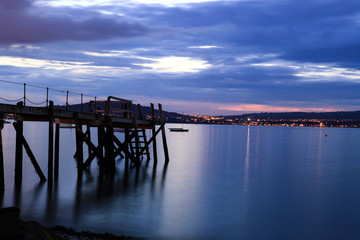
(103, 116)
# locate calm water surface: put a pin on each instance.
(222, 182)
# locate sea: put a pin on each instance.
(222, 182)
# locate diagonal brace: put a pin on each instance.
(31, 155)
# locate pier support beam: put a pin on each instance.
(51, 143)
(166, 152)
(100, 133)
(79, 145)
(88, 134)
(19, 150)
(127, 136)
(57, 151)
(153, 132)
(2, 177)
(109, 147)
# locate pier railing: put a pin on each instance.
(63, 97)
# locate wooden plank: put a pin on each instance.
(28, 113)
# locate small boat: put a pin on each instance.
(178, 129)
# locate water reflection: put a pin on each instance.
(247, 161)
(222, 182)
(91, 193)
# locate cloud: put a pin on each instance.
(205, 47)
(15, 4)
(315, 72)
(21, 22)
(174, 64)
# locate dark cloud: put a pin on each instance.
(19, 24)
(283, 26)
(14, 4)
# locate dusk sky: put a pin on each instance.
(193, 56)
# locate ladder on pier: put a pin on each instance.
(138, 142)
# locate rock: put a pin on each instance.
(13, 228)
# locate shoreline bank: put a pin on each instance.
(12, 227)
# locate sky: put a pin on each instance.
(193, 56)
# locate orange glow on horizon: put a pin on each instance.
(269, 108)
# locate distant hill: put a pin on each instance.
(176, 117)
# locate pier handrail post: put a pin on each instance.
(95, 105)
(107, 108)
(166, 152)
(153, 132)
(67, 100)
(81, 106)
(47, 97)
(24, 94)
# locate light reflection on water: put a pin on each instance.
(222, 182)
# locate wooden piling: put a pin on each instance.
(127, 136)
(100, 133)
(57, 151)
(79, 144)
(51, 143)
(88, 134)
(109, 148)
(2, 177)
(166, 152)
(19, 149)
(137, 144)
(153, 132)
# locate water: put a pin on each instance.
(222, 182)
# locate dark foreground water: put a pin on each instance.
(222, 182)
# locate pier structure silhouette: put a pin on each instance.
(133, 147)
